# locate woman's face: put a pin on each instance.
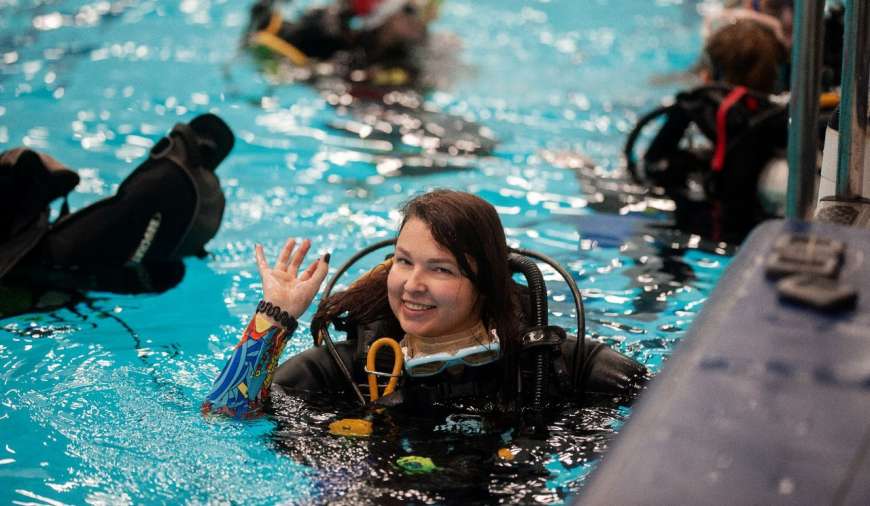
(428, 294)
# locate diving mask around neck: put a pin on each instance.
(474, 347)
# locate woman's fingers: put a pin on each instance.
(296, 261)
(321, 270)
(311, 269)
(262, 266)
(281, 283)
(284, 256)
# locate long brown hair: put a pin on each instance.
(468, 227)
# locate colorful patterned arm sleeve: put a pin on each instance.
(244, 383)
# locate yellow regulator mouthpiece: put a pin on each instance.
(353, 427)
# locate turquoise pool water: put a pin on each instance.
(100, 398)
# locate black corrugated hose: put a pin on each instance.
(538, 294)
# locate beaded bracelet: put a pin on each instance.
(276, 313)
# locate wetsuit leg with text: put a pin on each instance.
(244, 383)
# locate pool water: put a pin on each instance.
(100, 396)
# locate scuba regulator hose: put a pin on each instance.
(538, 291)
(324, 332)
(580, 349)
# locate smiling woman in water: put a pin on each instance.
(447, 295)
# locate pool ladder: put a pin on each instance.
(850, 204)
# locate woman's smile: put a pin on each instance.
(416, 307)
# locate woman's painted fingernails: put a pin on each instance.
(326, 257)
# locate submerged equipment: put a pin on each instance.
(540, 335)
(356, 427)
(416, 464)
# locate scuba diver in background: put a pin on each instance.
(374, 60)
(717, 140)
(720, 153)
(371, 41)
(466, 332)
(133, 242)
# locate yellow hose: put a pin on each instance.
(280, 46)
(274, 25)
(370, 366)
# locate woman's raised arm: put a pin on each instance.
(243, 385)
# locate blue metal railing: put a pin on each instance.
(804, 107)
(853, 104)
(805, 85)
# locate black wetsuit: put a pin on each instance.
(605, 372)
(168, 208)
